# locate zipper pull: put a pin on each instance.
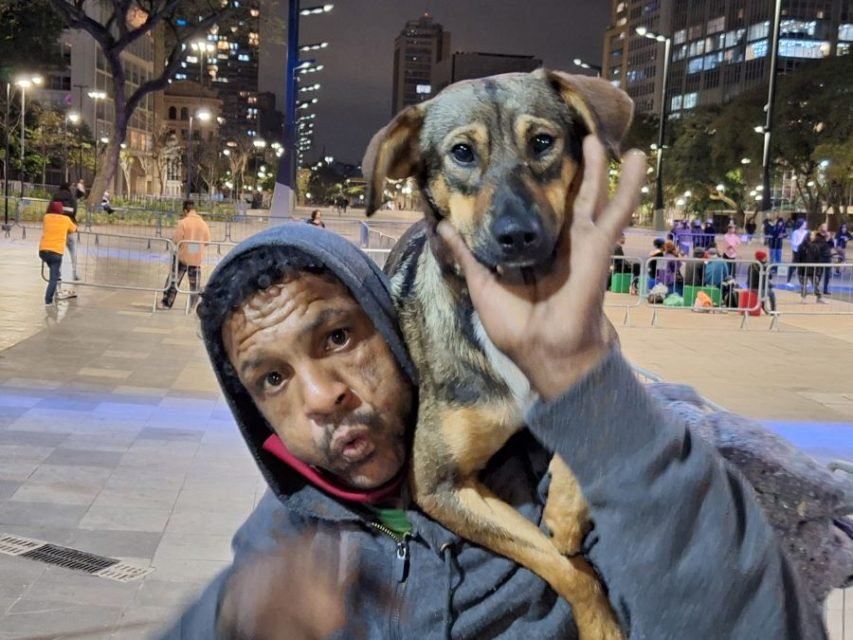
(402, 564)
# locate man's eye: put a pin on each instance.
(541, 143)
(338, 338)
(273, 379)
(463, 153)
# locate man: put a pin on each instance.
(69, 208)
(54, 235)
(823, 252)
(315, 219)
(716, 270)
(775, 236)
(190, 237)
(300, 328)
(105, 204)
(764, 287)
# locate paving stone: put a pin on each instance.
(77, 457)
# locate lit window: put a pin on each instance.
(694, 66)
(813, 49)
(758, 31)
(843, 48)
(717, 24)
(845, 32)
(680, 36)
(690, 100)
(756, 50)
(676, 103)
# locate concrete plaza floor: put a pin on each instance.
(114, 438)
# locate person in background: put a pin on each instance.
(842, 237)
(750, 230)
(672, 277)
(763, 287)
(797, 239)
(710, 234)
(315, 219)
(694, 270)
(655, 264)
(766, 230)
(809, 256)
(80, 189)
(55, 229)
(191, 236)
(105, 203)
(823, 251)
(731, 241)
(716, 269)
(775, 236)
(68, 198)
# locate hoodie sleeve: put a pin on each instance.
(199, 620)
(678, 537)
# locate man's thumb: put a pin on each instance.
(458, 249)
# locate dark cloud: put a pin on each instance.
(355, 99)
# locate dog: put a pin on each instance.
(500, 159)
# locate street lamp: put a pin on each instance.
(74, 118)
(310, 87)
(203, 116)
(202, 47)
(24, 83)
(586, 65)
(659, 209)
(313, 47)
(767, 200)
(311, 11)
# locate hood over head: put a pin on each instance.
(358, 273)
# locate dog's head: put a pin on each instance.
(500, 157)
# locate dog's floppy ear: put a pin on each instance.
(392, 153)
(606, 110)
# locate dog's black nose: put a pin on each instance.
(519, 237)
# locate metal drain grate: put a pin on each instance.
(69, 558)
(60, 556)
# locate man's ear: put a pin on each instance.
(394, 152)
(607, 111)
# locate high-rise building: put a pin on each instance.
(421, 45)
(469, 65)
(720, 48)
(226, 59)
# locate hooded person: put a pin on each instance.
(798, 238)
(302, 334)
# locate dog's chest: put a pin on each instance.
(503, 367)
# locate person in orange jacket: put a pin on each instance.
(191, 236)
(55, 229)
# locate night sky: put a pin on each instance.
(355, 99)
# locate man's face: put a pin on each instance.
(323, 377)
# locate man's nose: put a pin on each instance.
(323, 392)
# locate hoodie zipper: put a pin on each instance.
(400, 571)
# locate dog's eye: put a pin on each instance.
(463, 153)
(541, 143)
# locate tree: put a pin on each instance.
(126, 22)
(24, 25)
(166, 151)
(835, 163)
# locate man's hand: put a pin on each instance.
(554, 328)
(294, 593)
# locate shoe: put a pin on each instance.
(827, 293)
(76, 278)
(162, 307)
(66, 294)
(821, 301)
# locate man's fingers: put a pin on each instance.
(594, 167)
(617, 215)
(472, 269)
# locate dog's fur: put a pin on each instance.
(472, 397)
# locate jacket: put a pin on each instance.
(191, 234)
(55, 230)
(678, 538)
(715, 272)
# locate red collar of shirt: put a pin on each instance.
(276, 447)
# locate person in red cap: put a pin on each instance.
(55, 229)
(762, 285)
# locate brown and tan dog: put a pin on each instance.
(500, 159)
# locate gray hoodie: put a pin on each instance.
(678, 538)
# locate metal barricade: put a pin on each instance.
(379, 256)
(191, 280)
(736, 286)
(814, 289)
(625, 285)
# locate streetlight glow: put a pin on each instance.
(721, 188)
(641, 31)
(204, 115)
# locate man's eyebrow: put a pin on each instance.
(323, 319)
(252, 363)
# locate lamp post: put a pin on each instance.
(286, 175)
(24, 83)
(96, 96)
(766, 194)
(658, 221)
(202, 48)
(259, 144)
(203, 116)
(74, 118)
(589, 66)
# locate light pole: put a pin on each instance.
(96, 96)
(658, 221)
(202, 48)
(282, 203)
(24, 83)
(204, 116)
(74, 118)
(589, 66)
(766, 194)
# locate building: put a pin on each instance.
(421, 45)
(270, 119)
(720, 48)
(227, 60)
(464, 65)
